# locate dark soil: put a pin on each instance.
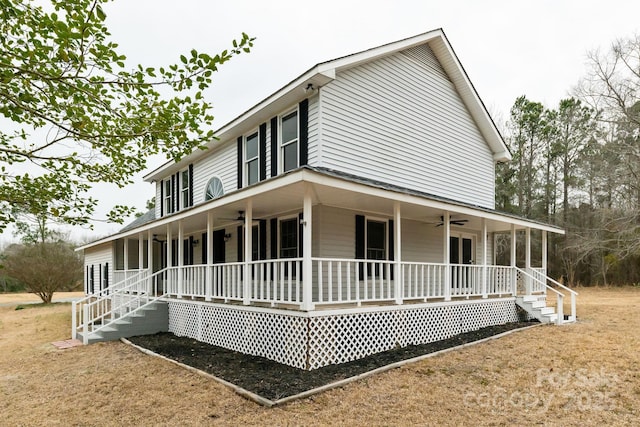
(275, 381)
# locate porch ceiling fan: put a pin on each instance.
(459, 222)
(240, 217)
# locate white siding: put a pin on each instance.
(159, 200)
(222, 163)
(314, 131)
(337, 230)
(421, 242)
(400, 120)
(97, 257)
(268, 150)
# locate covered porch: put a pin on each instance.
(334, 268)
(361, 243)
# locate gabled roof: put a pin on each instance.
(325, 72)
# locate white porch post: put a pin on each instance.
(150, 262)
(484, 258)
(446, 255)
(527, 279)
(307, 265)
(140, 251)
(168, 285)
(126, 256)
(248, 222)
(208, 287)
(544, 252)
(180, 258)
(514, 276)
(397, 253)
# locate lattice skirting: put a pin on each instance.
(316, 339)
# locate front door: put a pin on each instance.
(219, 255)
(461, 254)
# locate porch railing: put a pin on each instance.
(352, 280)
(272, 281)
(542, 282)
(345, 281)
(97, 310)
(123, 278)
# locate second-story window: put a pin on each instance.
(185, 197)
(289, 141)
(251, 159)
(168, 196)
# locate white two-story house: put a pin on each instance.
(350, 212)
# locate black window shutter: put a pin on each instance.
(161, 198)
(191, 184)
(391, 246)
(240, 161)
(177, 193)
(273, 229)
(91, 280)
(360, 242)
(359, 236)
(173, 194)
(391, 242)
(100, 284)
(240, 243)
(106, 275)
(274, 146)
(189, 251)
(86, 287)
(300, 235)
(204, 248)
(263, 151)
(262, 238)
(174, 252)
(304, 132)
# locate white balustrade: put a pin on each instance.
(337, 281)
(277, 281)
(423, 280)
(499, 280)
(227, 281)
(352, 280)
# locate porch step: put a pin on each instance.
(146, 321)
(536, 307)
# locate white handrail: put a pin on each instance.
(103, 310)
(559, 295)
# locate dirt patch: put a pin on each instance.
(275, 381)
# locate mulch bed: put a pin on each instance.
(275, 381)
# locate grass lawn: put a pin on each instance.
(582, 374)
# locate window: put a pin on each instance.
(289, 141)
(251, 159)
(289, 238)
(214, 189)
(168, 199)
(376, 239)
(184, 189)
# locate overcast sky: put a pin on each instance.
(508, 48)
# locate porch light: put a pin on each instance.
(227, 237)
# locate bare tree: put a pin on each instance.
(44, 268)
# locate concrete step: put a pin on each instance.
(145, 321)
